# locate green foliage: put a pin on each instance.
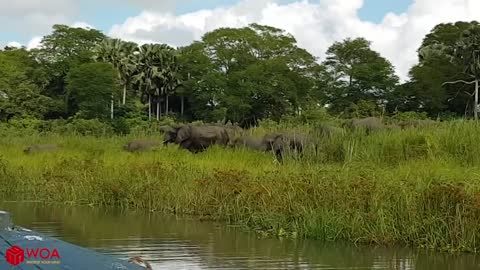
(143, 127)
(444, 57)
(92, 86)
(246, 74)
(66, 47)
(88, 127)
(25, 123)
(19, 95)
(121, 55)
(156, 75)
(239, 75)
(362, 109)
(467, 50)
(357, 73)
(120, 126)
(310, 115)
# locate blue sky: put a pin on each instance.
(102, 14)
(372, 10)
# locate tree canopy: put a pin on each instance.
(444, 57)
(358, 73)
(246, 74)
(241, 75)
(92, 86)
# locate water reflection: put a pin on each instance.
(172, 243)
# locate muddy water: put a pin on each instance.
(174, 243)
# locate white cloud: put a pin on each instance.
(14, 44)
(315, 24)
(36, 40)
(83, 25)
(34, 43)
(33, 17)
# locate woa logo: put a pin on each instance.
(15, 255)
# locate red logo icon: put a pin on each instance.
(15, 255)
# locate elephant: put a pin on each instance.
(250, 142)
(165, 129)
(369, 124)
(233, 131)
(140, 145)
(197, 138)
(279, 142)
(40, 148)
(393, 127)
(170, 133)
(328, 131)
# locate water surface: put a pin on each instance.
(179, 243)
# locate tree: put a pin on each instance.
(156, 74)
(19, 95)
(357, 73)
(121, 55)
(467, 52)
(439, 63)
(245, 74)
(64, 48)
(92, 85)
(67, 45)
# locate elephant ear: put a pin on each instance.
(279, 136)
(182, 133)
(176, 129)
(166, 129)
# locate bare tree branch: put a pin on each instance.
(459, 81)
(470, 94)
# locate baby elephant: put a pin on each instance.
(249, 142)
(140, 145)
(40, 148)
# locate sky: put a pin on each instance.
(395, 27)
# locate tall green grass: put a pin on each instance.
(418, 187)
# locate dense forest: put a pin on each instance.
(237, 75)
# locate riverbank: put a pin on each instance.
(412, 187)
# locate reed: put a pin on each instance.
(417, 187)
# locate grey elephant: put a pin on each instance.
(369, 124)
(40, 148)
(165, 128)
(393, 127)
(250, 142)
(328, 131)
(140, 145)
(234, 131)
(280, 142)
(197, 138)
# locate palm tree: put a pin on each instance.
(156, 73)
(147, 72)
(170, 80)
(121, 55)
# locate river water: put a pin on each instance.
(168, 242)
